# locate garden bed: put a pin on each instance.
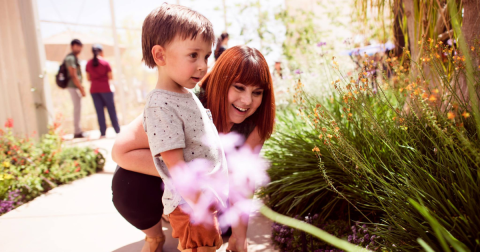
(29, 168)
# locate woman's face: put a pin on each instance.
(243, 101)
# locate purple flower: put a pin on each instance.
(298, 71)
(320, 44)
(13, 200)
(366, 237)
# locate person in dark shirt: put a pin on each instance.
(74, 85)
(222, 44)
(99, 73)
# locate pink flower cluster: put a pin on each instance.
(246, 171)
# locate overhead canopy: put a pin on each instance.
(370, 50)
(58, 46)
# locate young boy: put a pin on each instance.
(178, 42)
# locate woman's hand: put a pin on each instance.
(131, 150)
(237, 245)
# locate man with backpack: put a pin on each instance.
(74, 84)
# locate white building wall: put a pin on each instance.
(24, 93)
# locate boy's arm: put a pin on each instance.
(174, 160)
(131, 150)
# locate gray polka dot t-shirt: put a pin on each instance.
(179, 121)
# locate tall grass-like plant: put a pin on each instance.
(299, 167)
(431, 154)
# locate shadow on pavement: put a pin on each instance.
(259, 233)
(170, 243)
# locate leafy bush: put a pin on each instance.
(414, 139)
(30, 168)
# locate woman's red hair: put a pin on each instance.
(246, 65)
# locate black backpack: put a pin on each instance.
(63, 76)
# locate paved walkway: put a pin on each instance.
(80, 216)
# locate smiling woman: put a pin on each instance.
(240, 93)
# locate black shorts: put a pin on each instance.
(138, 197)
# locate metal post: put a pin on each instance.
(225, 14)
(118, 65)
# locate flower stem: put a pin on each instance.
(300, 225)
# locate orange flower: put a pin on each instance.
(466, 114)
(424, 96)
(77, 170)
(450, 115)
(47, 172)
(329, 136)
(432, 98)
(320, 136)
(316, 149)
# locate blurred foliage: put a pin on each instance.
(29, 168)
(375, 156)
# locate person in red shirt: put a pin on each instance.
(98, 73)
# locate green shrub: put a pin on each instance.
(29, 168)
(386, 155)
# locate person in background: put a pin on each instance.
(277, 70)
(74, 85)
(222, 44)
(98, 73)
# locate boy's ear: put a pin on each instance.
(158, 54)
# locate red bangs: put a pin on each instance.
(252, 72)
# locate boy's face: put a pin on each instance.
(186, 60)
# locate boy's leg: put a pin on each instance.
(195, 237)
(100, 108)
(77, 109)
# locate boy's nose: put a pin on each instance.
(202, 66)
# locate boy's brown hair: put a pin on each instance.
(169, 20)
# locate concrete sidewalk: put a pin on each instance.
(81, 217)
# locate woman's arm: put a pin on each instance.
(239, 233)
(131, 150)
(110, 76)
(88, 77)
(254, 141)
